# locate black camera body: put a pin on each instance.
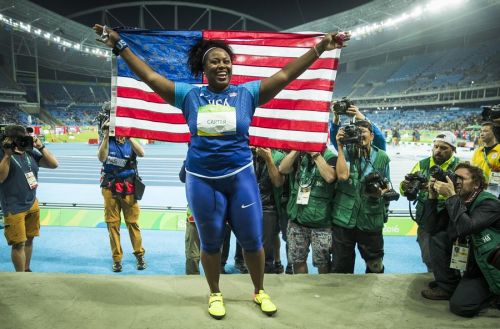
(340, 107)
(412, 188)
(24, 143)
(439, 174)
(374, 181)
(490, 113)
(352, 135)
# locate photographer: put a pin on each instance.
(312, 176)
(463, 236)
(492, 114)
(358, 216)
(119, 188)
(346, 107)
(414, 187)
(487, 157)
(18, 183)
(270, 182)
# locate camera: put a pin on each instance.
(490, 113)
(104, 115)
(440, 174)
(374, 181)
(352, 135)
(24, 143)
(340, 107)
(412, 188)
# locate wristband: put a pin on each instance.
(120, 45)
(41, 148)
(315, 155)
(316, 51)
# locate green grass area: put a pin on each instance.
(83, 136)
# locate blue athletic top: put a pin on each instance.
(218, 123)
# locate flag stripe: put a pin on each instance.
(320, 84)
(289, 135)
(151, 125)
(298, 105)
(136, 113)
(152, 134)
(266, 61)
(155, 107)
(265, 72)
(279, 51)
(310, 126)
(292, 114)
(287, 145)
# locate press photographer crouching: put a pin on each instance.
(21, 156)
(414, 186)
(463, 237)
(121, 188)
(360, 205)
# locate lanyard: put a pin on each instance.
(27, 161)
(486, 158)
(307, 178)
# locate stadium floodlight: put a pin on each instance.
(431, 7)
(63, 43)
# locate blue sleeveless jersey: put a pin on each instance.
(225, 153)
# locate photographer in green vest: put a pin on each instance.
(463, 236)
(312, 176)
(414, 186)
(360, 205)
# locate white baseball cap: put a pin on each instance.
(448, 137)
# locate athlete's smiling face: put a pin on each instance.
(218, 69)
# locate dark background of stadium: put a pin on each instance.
(282, 13)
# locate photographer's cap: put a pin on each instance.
(448, 137)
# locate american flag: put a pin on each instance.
(297, 118)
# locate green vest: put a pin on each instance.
(422, 195)
(317, 212)
(352, 208)
(484, 242)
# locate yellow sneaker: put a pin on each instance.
(216, 307)
(266, 305)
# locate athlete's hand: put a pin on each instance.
(106, 35)
(334, 41)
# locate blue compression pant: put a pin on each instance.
(235, 198)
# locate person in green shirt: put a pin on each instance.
(309, 208)
(358, 217)
(443, 155)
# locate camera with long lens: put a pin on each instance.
(415, 180)
(490, 113)
(439, 174)
(374, 182)
(24, 143)
(352, 135)
(103, 115)
(340, 107)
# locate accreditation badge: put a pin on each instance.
(494, 183)
(31, 179)
(459, 256)
(303, 195)
(216, 120)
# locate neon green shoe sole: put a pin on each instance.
(216, 307)
(264, 301)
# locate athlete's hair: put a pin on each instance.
(476, 173)
(195, 58)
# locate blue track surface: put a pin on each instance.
(86, 250)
